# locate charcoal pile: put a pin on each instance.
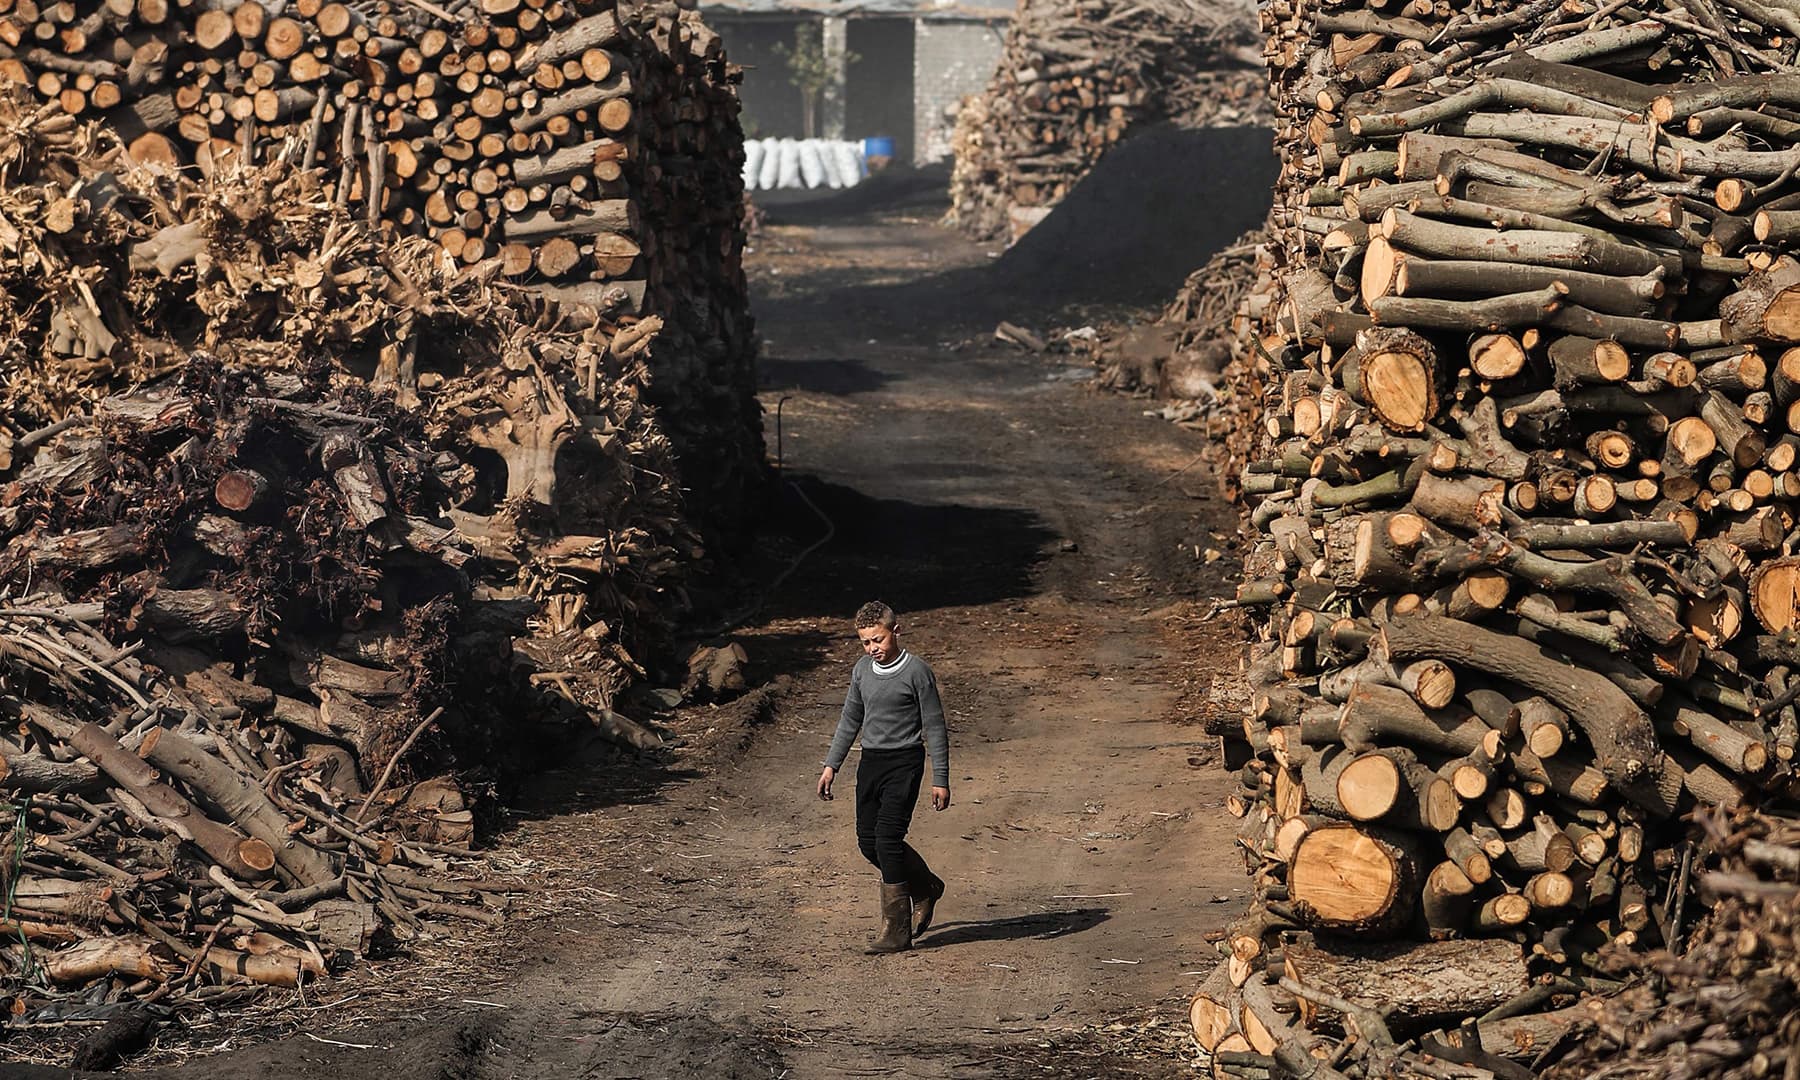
(1523, 510)
(1075, 76)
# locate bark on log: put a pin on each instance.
(1623, 739)
(238, 800)
(1423, 983)
(244, 858)
(35, 774)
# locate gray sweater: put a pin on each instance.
(894, 711)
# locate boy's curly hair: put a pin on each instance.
(874, 613)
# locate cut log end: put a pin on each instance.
(1775, 594)
(1349, 879)
(239, 489)
(257, 855)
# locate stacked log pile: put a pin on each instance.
(688, 161)
(1523, 506)
(1075, 76)
(589, 148)
(304, 524)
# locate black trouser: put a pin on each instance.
(887, 789)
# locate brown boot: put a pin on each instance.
(925, 896)
(896, 916)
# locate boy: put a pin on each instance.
(893, 702)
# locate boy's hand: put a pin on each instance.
(940, 798)
(825, 783)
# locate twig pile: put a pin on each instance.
(1523, 568)
(165, 847)
(1074, 77)
(1728, 1004)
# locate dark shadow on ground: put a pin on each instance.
(918, 556)
(893, 190)
(1154, 209)
(1040, 926)
(593, 773)
(777, 654)
(828, 376)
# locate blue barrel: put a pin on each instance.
(878, 146)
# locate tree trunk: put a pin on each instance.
(1423, 983)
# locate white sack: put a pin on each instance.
(790, 164)
(849, 162)
(810, 169)
(753, 155)
(770, 176)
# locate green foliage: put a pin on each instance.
(809, 68)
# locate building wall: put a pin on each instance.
(951, 60)
(878, 99)
(771, 103)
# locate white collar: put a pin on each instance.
(893, 667)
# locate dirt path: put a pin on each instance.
(1022, 525)
(1044, 548)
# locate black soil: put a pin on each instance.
(1154, 208)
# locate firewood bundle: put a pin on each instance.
(1074, 77)
(1522, 563)
(687, 163)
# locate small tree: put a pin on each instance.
(809, 70)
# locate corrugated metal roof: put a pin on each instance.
(929, 9)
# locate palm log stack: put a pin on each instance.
(1075, 76)
(1522, 505)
